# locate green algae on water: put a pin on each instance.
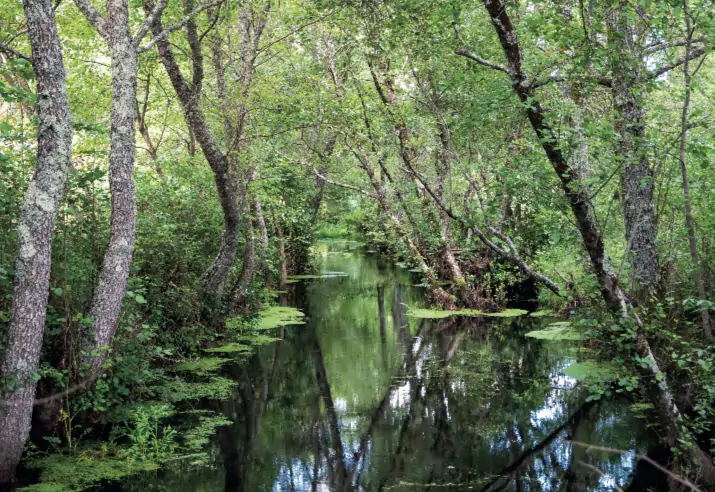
(215, 388)
(592, 371)
(201, 366)
(424, 313)
(542, 313)
(318, 276)
(561, 330)
(65, 473)
(229, 348)
(277, 316)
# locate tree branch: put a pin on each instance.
(344, 185)
(654, 48)
(481, 61)
(93, 16)
(512, 255)
(599, 79)
(7, 49)
(162, 35)
(463, 51)
(697, 53)
(300, 28)
(149, 21)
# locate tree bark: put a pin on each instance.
(42, 200)
(111, 288)
(637, 177)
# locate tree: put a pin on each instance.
(25, 332)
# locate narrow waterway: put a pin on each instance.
(364, 397)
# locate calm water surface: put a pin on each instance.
(365, 398)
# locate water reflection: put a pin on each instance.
(365, 398)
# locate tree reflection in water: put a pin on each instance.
(364, 398)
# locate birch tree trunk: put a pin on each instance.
(42, 200)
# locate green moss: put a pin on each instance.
(202, 366)
(439, 313)
(560, 330)
(61, 472)
(280, 316)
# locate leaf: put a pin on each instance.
(58, 291)
(140, 299)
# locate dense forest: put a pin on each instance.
(169, 168)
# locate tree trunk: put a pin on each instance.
(226, 186)
(438, 293)
(262, 240)
(637, 176)
(582, 210)
(39, 208)
(111, 288)
(248, 267)
(689, 222)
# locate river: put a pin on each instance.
(364, 397)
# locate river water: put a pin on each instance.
(364, 397)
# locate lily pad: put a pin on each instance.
(592, 371)
(439, 313)
(280, 316)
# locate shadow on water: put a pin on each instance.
(365, 398)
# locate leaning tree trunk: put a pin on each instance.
(226, 182)
(240, 289)
(637, 176)
(111, 288)
(438, 293)
(583, 212)
(40, 205)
